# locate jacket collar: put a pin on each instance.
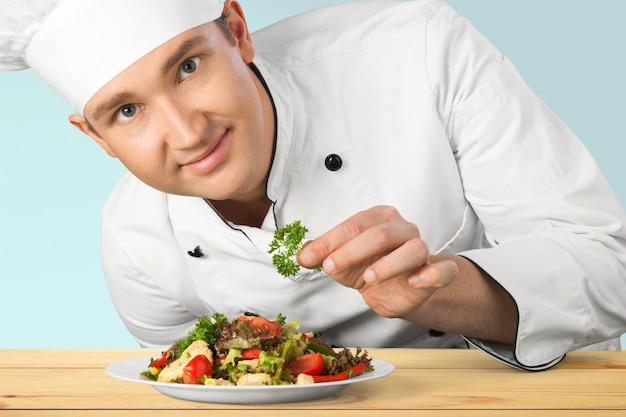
(281, 97)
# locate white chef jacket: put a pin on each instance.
(426, 116)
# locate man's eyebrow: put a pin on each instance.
(111, 104)
(181, 52)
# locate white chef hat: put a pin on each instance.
(77, 46)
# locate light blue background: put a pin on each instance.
(53, 180)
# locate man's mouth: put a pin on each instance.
(209, 158)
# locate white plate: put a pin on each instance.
(130, 370)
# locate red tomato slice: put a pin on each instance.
(267, 327)
(248, 354)
(310, 364)
(354, 371)
(161, 361)
(197, 367)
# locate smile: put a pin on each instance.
(209, 159)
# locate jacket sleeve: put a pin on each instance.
(139, 267)
(151, 316)
(555, 227)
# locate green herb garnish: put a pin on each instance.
(287, 243)
(207, 329)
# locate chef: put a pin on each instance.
(446, 205)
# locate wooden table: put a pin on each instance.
(430, 383)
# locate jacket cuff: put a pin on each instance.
(506, 354)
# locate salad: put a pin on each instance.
(252, 350)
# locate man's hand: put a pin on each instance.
(380, 254)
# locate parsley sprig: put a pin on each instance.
(287, 243)
(207, 329)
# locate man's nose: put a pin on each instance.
(184, 127)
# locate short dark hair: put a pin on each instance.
(223, 25)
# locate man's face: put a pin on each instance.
(190, 117)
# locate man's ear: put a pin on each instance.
(236, 22)
(81, 124)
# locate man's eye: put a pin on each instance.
(188, 67)
(126, 112)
